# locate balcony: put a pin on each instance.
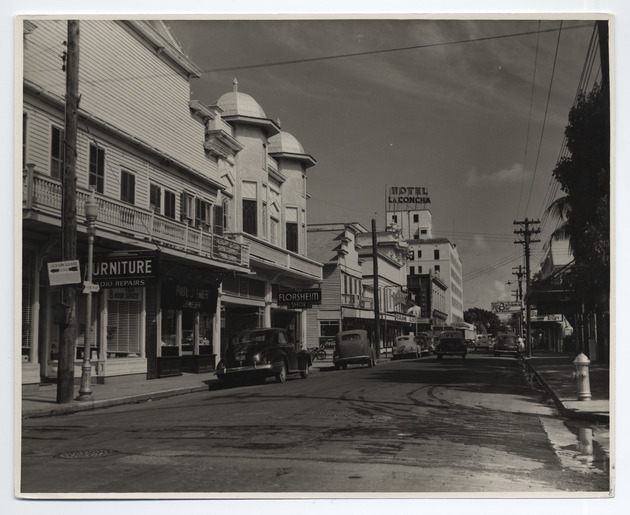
(42, 194)
(356, 301)
(278, 259)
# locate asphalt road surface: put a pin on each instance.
(403, 427)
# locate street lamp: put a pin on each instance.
(91, 214)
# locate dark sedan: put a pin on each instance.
(506, 344)
(257, 354)
(451, 343)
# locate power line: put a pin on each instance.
(387, 50)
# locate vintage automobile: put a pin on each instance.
(506, 344)
(451, 343)
(353, 348)
(406, 347)
(257, 354)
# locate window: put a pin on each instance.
(219, 220)
(412, 270)
(226, 214)
(203, 215)
(264, 219)
(187, 208)
(328, 327)
(411, 254)
(416, 236)
(169, 204)
(56, 153)
(437, 268)
(155, 198)
(423, 231)
(395, 218)
(97, 168)
(415, 217)
(127, 187)
(419, 254)
(419, 270)
(436, 254)
(273, 232)
(292, 229)
(250, 208)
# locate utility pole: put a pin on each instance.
(527, 240)
(377, 308)
(65, 372)
(519, 294)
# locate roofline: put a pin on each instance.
(307, 158)
(269, 126)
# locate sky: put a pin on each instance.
(473, 110)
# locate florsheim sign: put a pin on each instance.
(300, 297)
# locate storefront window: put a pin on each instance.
(329, 327)
(169, 329)
(124, 310)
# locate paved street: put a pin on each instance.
(416, 426)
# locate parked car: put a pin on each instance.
(406, 347)
(451, 343)
(506, 344)
(353, 348)
(257, 354)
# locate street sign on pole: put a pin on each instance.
(90, 287)
(64, 272)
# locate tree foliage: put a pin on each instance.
(485, 321)
(584, 177)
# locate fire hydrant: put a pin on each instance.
(580, 374)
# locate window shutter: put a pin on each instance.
(218, 219)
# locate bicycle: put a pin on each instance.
(317, 353)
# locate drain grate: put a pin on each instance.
(329, 413)
(89, 453)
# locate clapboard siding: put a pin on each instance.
(331, 287)
(125, 84)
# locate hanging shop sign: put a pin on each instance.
(300, 298)
(125, 294)
(227, 250)
(125, 272)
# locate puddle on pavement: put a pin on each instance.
(581, 446)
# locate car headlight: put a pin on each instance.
(259, 359)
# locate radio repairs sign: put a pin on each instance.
(300, 298)
(125, 272)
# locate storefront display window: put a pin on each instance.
(124, 318)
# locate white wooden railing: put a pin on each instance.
(44, 194)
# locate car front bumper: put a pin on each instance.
(257, 370)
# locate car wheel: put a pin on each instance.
(304, 372)
(281, 376)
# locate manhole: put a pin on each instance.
(90, 453)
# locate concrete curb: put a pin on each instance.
(566, 412)
(75, 407)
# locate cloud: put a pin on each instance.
(511, 175)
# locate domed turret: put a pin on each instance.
(285, 143)
(236, 103)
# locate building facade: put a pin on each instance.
(346, 251)
(172, 178)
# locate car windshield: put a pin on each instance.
(450, 340)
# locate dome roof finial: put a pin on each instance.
(235, 82)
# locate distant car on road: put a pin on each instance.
(353, 348)
(406, 347)
(506, 344)
(261, 353)
(482, 342)
(451, 343)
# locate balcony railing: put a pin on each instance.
(356, 301)
(43, 194)
(279, 258)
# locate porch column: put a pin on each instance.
(303, 332)
(216, 326)
(34, 352)
(268, 302)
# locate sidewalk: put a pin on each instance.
(554, 371)
(131, 390)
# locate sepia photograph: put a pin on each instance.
(320, 256)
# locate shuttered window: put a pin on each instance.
(218, 220)
(292, 229)
(97, 168)
(56, 153)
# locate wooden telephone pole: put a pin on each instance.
(377, 307)
(526, 233)
(65, 372)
